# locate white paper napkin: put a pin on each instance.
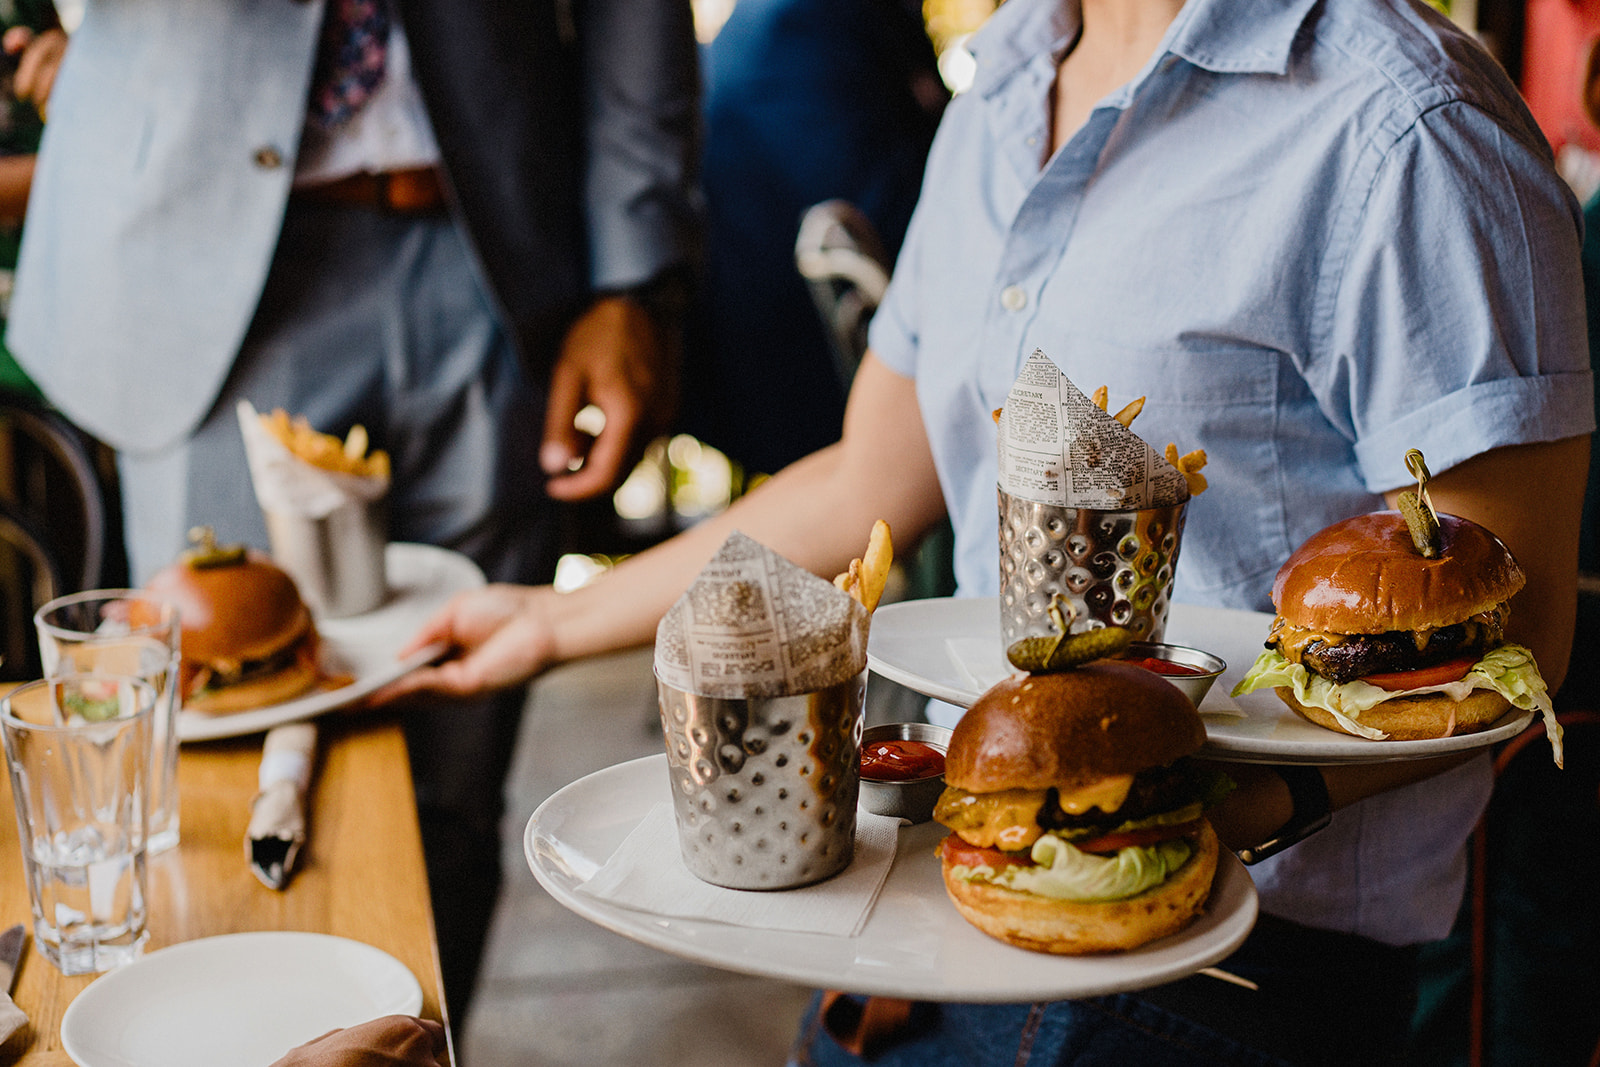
(646, 873)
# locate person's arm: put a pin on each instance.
(390, 1041)
(1531, 496)
(817, 513)
(641, 97)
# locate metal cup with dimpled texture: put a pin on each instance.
(764, 788)
(1114, 568)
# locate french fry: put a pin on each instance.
(1130, 412)
(1101, 397)
(1189, 465)
(326, 451)
(875, 565)
(869, 573)
(355, 442)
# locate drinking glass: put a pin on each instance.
(132, 632)
(78, 749)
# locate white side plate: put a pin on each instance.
(241, 999)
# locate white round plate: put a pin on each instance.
(914, 944)
(421, 579)
(949, 648)
(240, 999)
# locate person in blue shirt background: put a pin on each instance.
(1314, 234)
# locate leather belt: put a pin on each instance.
(417, 191)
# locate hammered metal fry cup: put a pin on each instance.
(337, 561)
(764, 788)
(1114, 568)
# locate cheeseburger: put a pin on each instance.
(1374, 639)
(248, 638)
(1077, 820)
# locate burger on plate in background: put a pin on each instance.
(248, 637)
(1375, 639)
(1077, 818)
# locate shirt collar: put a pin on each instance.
(1225, 36)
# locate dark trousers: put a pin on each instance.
(1324, 999)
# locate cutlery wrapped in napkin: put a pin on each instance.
(278, 812)
(12, 943)
(323, 501)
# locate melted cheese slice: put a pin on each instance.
(1009, 819)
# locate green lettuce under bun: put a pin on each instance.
(1063, 872)
(1508, 670)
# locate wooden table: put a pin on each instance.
(360, 875)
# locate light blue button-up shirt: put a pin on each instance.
(1313, 235)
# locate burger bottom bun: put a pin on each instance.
(1073, 928)
(297, 678)
(1418, 718)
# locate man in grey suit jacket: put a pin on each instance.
(493, 240)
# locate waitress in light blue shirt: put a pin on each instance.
(1314, 234)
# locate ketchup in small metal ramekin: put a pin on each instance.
(900, 760)
(1165, 666)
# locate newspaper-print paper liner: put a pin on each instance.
(287, 485)
(1057, 447)
(754, 624)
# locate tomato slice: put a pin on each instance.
(965, 854)
(1439, 674)
(1147, 835)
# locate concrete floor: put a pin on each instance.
(556, 990)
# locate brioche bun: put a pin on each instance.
(1364, 576)
(1067, 927)
(1071, 728)
(1415, 718)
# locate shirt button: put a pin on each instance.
(1013, 298)
(268, 158)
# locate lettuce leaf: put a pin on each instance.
(1508, 670)
(1063, 872)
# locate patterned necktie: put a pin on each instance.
(350, 58)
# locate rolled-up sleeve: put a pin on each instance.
(1452, 301)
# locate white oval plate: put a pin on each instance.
(949, 648)
(914, 944)
(240, 999)
(421, 579)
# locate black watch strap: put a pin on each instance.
(1308, 792)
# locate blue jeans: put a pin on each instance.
(1324, 998)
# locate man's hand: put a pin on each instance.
(498, 637)
(40, 60)
(615, 358)
(392, 1041)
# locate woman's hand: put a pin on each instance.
(391, 1041)
(498, 636)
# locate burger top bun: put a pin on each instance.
(233, 606)
(1071, 728)
(1364, 576)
